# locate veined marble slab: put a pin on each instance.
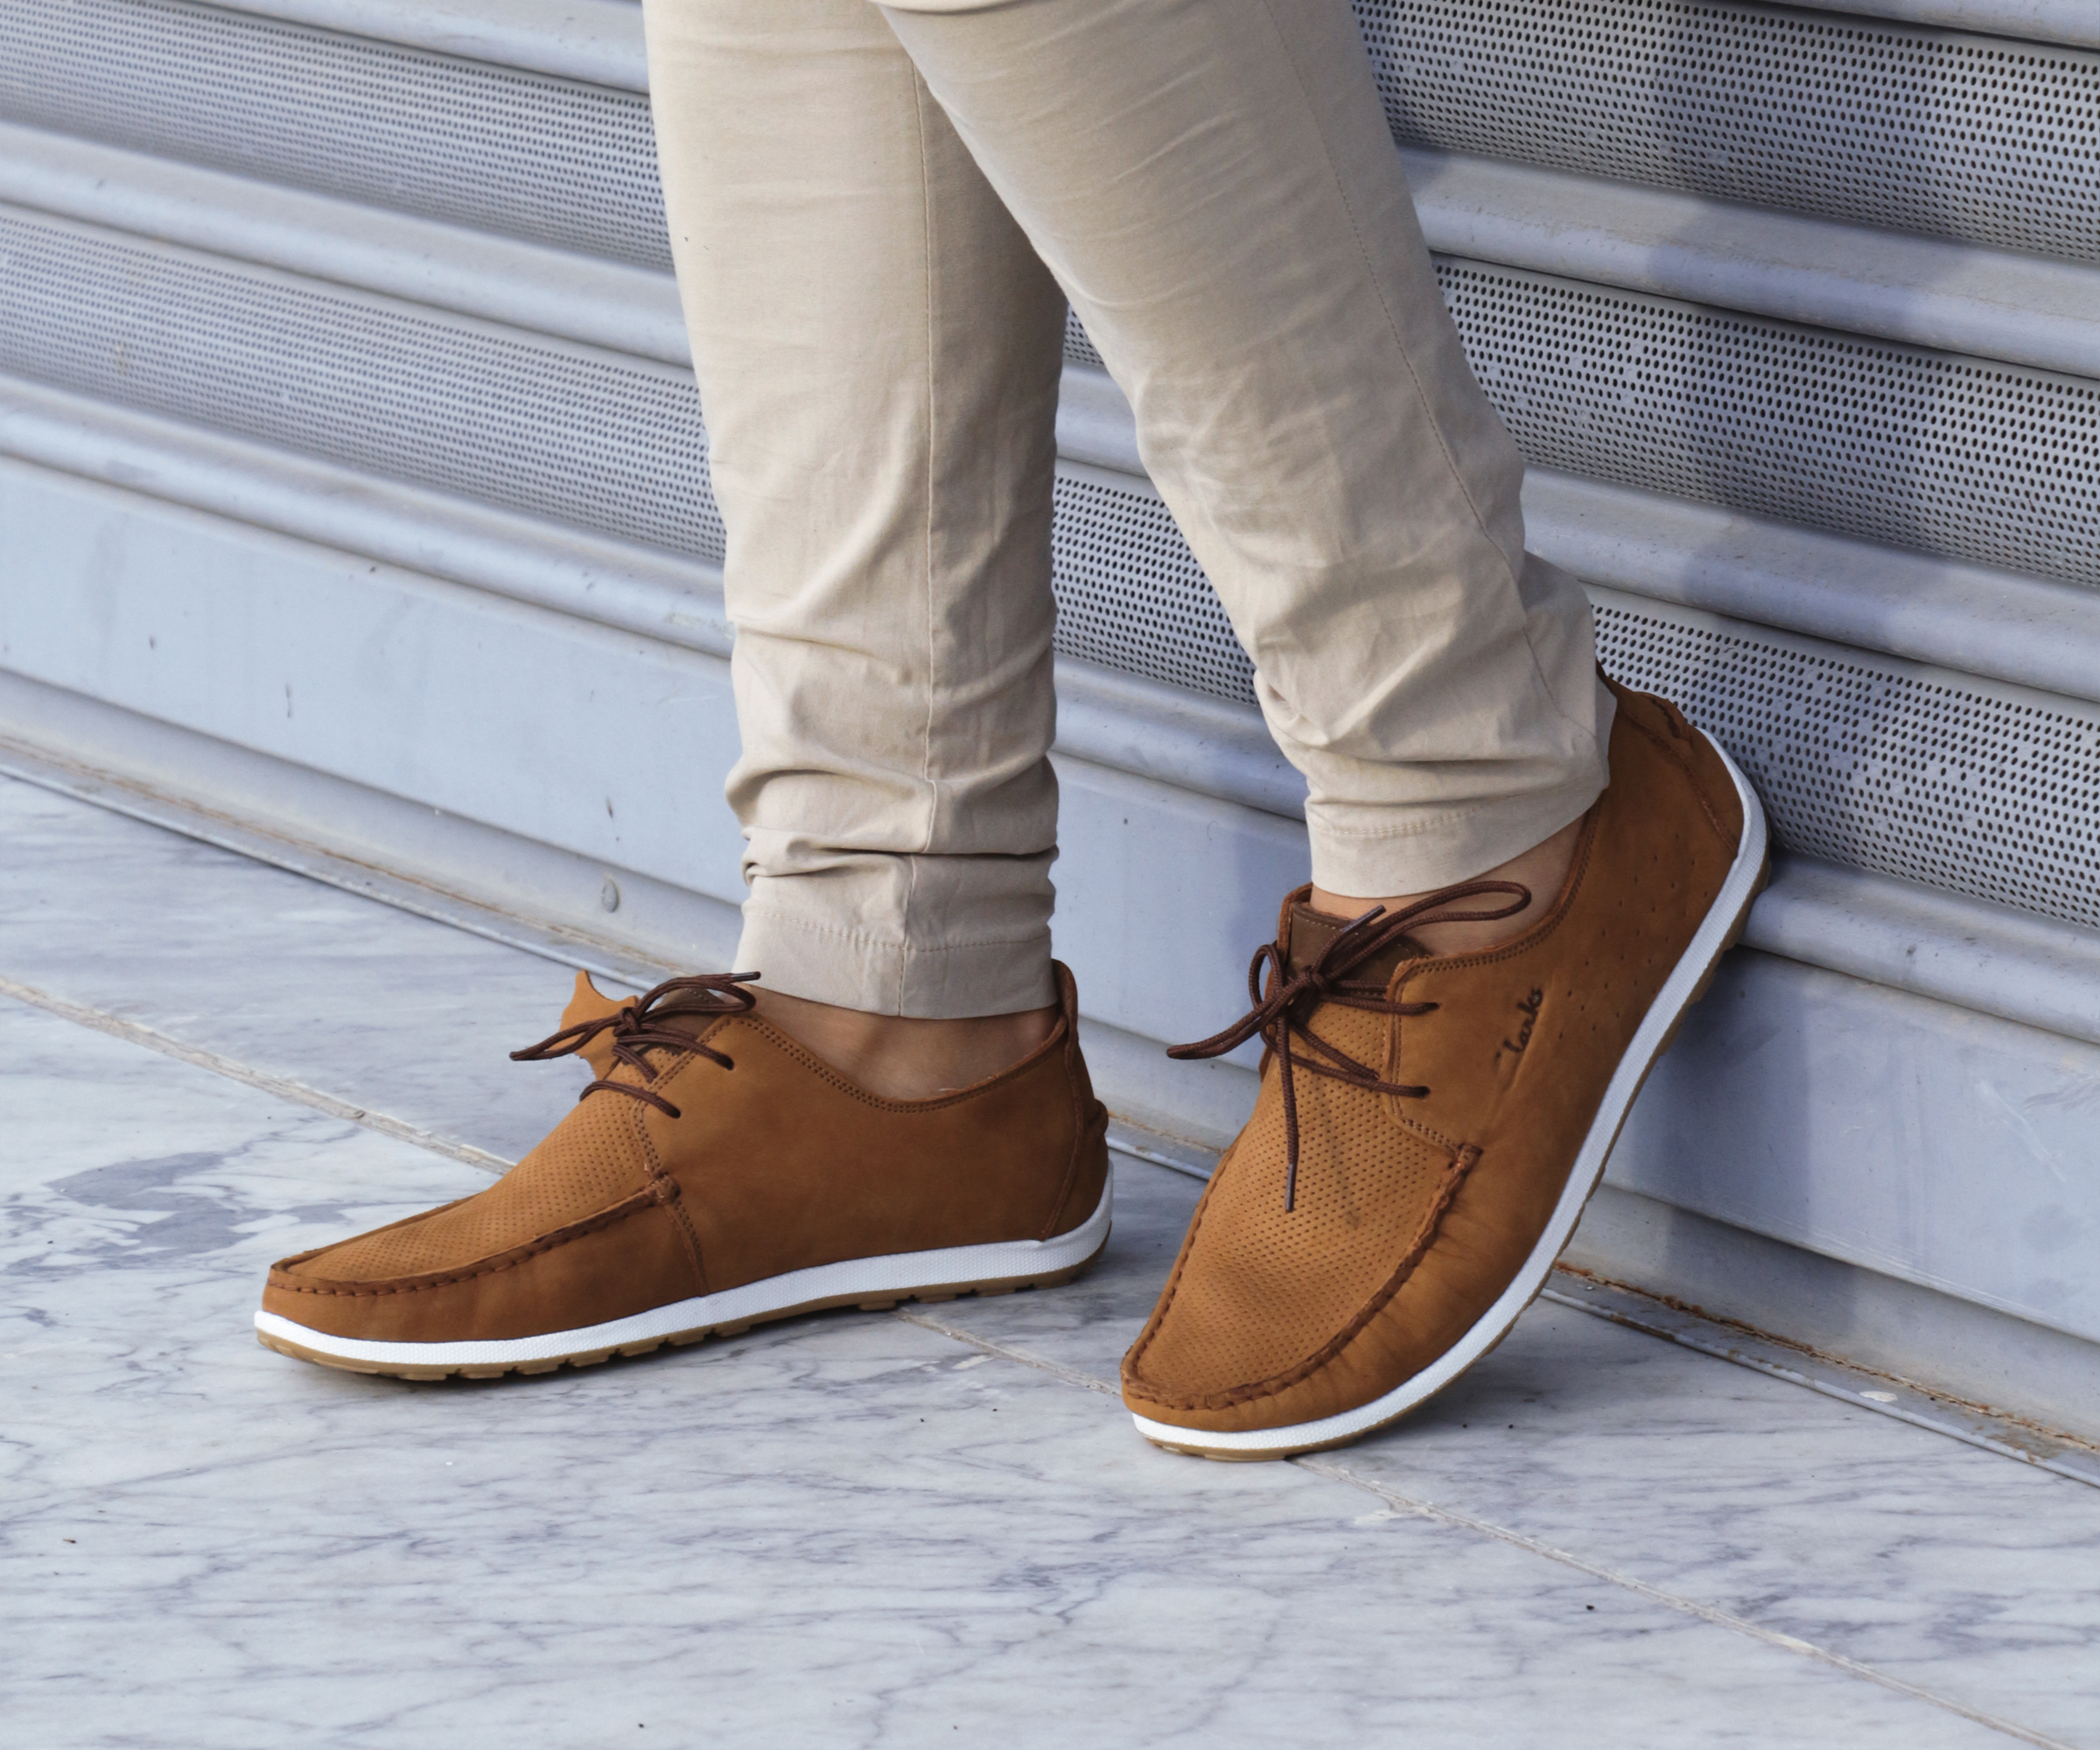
(845, 1530)
(1968, 1574)
(288, 975)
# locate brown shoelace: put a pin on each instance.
(1283, 1013)
(640, 1027)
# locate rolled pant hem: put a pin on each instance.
(927, 981)
(1439, 849)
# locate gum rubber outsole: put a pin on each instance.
(503, 1357)
(1694, 972)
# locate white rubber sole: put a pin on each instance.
(1721, 925)
(872, 1282)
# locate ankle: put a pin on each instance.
(900, 1057)
(1544, 870)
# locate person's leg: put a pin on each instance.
(1213, 183)
(877, 349)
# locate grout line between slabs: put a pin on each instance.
(928, 1321)
(1321, 1466)
(2074, 1465)
(1690, 1607)
(1636, 1309)
(298, 1093)
(2060, 1455)
(1124, 1140)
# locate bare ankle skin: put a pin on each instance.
(1542, 869)
(901, 1058)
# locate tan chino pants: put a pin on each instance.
(877, 217)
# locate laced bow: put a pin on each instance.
(1282, 1014)
(642, 1027)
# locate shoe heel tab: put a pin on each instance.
(1651, 711)
(1287, 911)
(1067, 994)
(1075, 1061)
(1684, 742)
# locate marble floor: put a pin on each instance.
(935, 1526)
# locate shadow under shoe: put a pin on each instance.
(1429, 1127)
(716, 1175)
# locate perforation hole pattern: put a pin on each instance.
(1079, 349)
(1973, 137)
(589, 440)
(530, 157)
(1131, 595)
(1962, 457)
(1860, 763)
(1884, 124)
(586, 439)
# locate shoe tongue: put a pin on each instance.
(684, 1011)
(1311, 931)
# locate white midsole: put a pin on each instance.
(1671, 1001)
(895, 1273)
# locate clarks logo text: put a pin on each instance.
(1528, 1009)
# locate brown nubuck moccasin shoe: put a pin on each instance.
(717, 1174)
(1429, 1128)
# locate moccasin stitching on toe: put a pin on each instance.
(1429, 1127)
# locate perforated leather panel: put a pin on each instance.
(589, 1163)
(1272, 1288)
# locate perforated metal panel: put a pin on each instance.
(531, 157)
(1985, 461)
(1079, 350)
(610, 444)
(1861, 762)
(1131, 595)
(1965, 457)
(1887, 124)
(599, 442)
(556, 432)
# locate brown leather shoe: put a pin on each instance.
(718, 1175)
(1429, 1128)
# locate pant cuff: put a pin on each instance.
(1440, 849)
(927, 981)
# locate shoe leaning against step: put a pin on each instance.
(1429, 1127)
(716, 1175)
